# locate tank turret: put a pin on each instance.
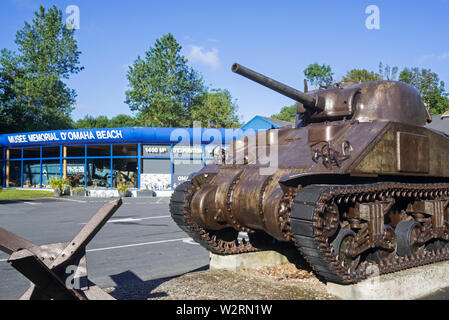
(365, 102)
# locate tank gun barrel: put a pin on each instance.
(306, 100)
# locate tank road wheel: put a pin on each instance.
(341, 246)
(434, 245)
(407, 233)
(391, 241)
(331, 221)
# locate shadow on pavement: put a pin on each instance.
(130, 287)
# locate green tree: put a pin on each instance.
(430, 87)
(162, 87)
(215, 109)
(318, 75)
(286, 114)
(90, 122)
(361, 75)
(122, 120)
(33, 95)
(387, 73)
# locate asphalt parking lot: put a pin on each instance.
(139, 243)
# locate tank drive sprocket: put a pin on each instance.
(223, 242)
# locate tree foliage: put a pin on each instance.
(430, 88)
(33, 95)
(318, 75)
(361, 75)
(121, 120)
(215, 109)
(165, 91)
(286, 114)
(162, 85)
(387, 73)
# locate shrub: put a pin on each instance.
(58, 183)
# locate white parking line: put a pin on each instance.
(132, 219)
(73, 200)
(32, 203)
(184, 240)
(137, 244)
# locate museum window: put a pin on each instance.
(14, 176)
(99, 173)
(75, 172)
(31, 174)
(99, 150)
(51, 152)
(125, 172)
(155, 174)
(50, 169)
(31, 153)
(1, 173)
(124, 150)
(186, 166)
(182, 168)
(75, 151)
(15, 153)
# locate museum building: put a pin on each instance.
(152, 158)
(139, 157)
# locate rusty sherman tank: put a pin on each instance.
(360, 187)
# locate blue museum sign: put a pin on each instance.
(117, 135)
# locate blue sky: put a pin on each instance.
(276, 38)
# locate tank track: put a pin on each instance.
(223, 242)
(306, 227)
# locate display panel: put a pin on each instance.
(155, 174)
(187, 151)
(75, 172)
(155, 150)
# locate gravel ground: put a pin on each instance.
(283, 282)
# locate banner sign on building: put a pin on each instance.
(91, 135)
(187, 151)
(149, 150)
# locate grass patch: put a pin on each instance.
(13, 194)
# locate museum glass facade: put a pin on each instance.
(141, 158)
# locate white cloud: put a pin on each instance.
(200, 55)
(443, 56)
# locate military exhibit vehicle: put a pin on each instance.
(360, 186)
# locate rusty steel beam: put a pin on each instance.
(9, 242)
(58, 271)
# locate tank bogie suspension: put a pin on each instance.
(348, 233)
